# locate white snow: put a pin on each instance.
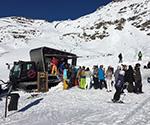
(76, 106)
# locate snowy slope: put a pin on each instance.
(98, 38)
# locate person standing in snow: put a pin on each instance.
(138, 79)
(139, 56)
(88, 75)
(109, 74)
(130, 78)
(95, 77)
(119, 85)
(82, 84)
(120, 58)
(65, 77)
(116, 74)
(101, 77)
(78, 76)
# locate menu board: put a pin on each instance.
(42, 82)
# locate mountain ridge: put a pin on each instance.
(111, 29)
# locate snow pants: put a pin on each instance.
(117, 94)
(96, 83)
(102, 83)
(109, 84)
(82, 83)
(138, 86)
(88, 83)
(65, 84)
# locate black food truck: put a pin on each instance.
(24, 73)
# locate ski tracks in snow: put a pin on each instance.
(139, 116)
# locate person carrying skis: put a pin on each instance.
(139, 56)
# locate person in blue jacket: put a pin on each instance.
(101, 77)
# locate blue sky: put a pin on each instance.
(49, 9)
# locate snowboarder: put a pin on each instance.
(119, 86)
(116, 74)
(139, 56)
(120, 57)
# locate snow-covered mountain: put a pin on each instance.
(98, 37)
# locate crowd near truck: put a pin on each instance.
(24, 73)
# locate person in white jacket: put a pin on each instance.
(88, 75)
(109, 75)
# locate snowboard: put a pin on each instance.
(120, 101)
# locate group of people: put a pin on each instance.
(98, 77)
(129, 78)
(123, 77)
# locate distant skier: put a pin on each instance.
(120, 57)
(139, 56)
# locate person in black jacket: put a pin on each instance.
(129, 78)
(138, 79)
(120, 57)
(119, 86)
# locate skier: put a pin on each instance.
(119, 85)
(139, 56)
(120, 57)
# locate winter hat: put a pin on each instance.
(122, 72)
